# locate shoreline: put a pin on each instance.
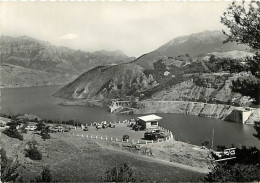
(218, 111)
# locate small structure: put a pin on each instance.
(240, 115)
(149, 121)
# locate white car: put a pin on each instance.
(31, 128)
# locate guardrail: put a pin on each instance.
(115, 139)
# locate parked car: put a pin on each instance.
(98, 126)
(60, 128)
(112, 125)
(125, 137)
(154, 134)
(85, 128)
(31, 128)
(66, 129)
(53, 130)
(137, 127)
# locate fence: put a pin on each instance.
(115, 139)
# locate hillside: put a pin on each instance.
(31, 54)
(157, 76)
(200, 43)
(108, 82)
(235, 54)
(17, 76)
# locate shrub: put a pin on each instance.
(248, 86)
(13, 132)
(33, 153)
(9, 171)
(46, 136)
(23, 130)
(45, 176)
(40, 126)
(234, 173)
(124, 173)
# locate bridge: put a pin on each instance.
(118, 105)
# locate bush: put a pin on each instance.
(46, 136)
(234, 173)
(23, 130)
(45, 176)
(33, 153)
(124, 173)
(9, 171)
(244, 168)
(248, 86)
(13, 132)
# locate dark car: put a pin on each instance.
(112, 125)
(125, 137)
(137, 127)
(154, 134)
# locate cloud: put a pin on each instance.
(68, 36)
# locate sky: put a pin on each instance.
(135, 28)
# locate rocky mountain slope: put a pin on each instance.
(157, 76)
(31, 54)
(200, 43)
(235, 54)
(108, 82)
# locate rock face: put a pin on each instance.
(211, 88)
(200, 43)
(218, 111)
(34, 56)
(108, 82)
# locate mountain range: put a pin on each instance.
(27, 61)
(166, 73)
(200, 43)
(102, 75)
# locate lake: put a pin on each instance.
(192, 129)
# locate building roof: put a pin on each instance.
(150, 118)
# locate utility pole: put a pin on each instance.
(212, 139)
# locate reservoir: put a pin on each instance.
(191, 129)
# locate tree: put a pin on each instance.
(40, 126)
(45, 176)
(247, 86)
(257, 128)
(9, 171)
(233, 173)
(243, 22)
(125, 173)
(159, 65)
(13, 132)
(32, 152)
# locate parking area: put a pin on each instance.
(118, 132)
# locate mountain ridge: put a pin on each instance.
(36, 55)
(199, 43)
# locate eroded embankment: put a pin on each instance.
(219, 111)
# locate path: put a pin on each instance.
(160, 161)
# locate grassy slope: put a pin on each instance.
(71, 159)
(16, 76)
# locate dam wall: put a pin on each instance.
(219, 111)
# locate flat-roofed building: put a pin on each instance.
(149, 121)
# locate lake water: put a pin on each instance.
(192, 129)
